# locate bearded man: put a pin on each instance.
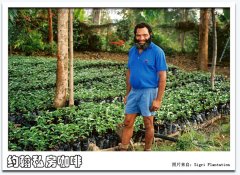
(145, 84)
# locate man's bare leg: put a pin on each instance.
(149, 134)
(127, 130)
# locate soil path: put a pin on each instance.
(185, 62)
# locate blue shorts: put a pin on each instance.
(139, 101)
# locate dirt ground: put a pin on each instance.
(185, 62)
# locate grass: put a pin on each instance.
(215, 137)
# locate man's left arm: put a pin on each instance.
(161, 88)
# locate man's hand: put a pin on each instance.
(125, 99)
(156, 104)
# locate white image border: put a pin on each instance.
(157, 161)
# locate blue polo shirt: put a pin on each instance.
(144, 67)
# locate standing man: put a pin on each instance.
(146, 82)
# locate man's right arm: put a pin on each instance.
(128, 86)
(128, 82)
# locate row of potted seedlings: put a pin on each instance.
(103, 112)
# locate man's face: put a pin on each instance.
(142, 35)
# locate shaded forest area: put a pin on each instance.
(34, 31)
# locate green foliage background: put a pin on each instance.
(28, 30)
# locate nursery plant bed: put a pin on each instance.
(174, 136)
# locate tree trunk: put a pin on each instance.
(182, 38)
(183, 33)
(71, 94)
(96, 18)
(225, 47)
(62, 59)
(203, 40)
(214, 49)
(50, 30)
(10, 50)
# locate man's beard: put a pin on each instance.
(142, 46)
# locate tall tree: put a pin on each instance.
(214, 48)
(50, 30)
(203, 40)
(96, 16)
(62, 59)
(183, 33)
(71, 94)
(12, 28)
